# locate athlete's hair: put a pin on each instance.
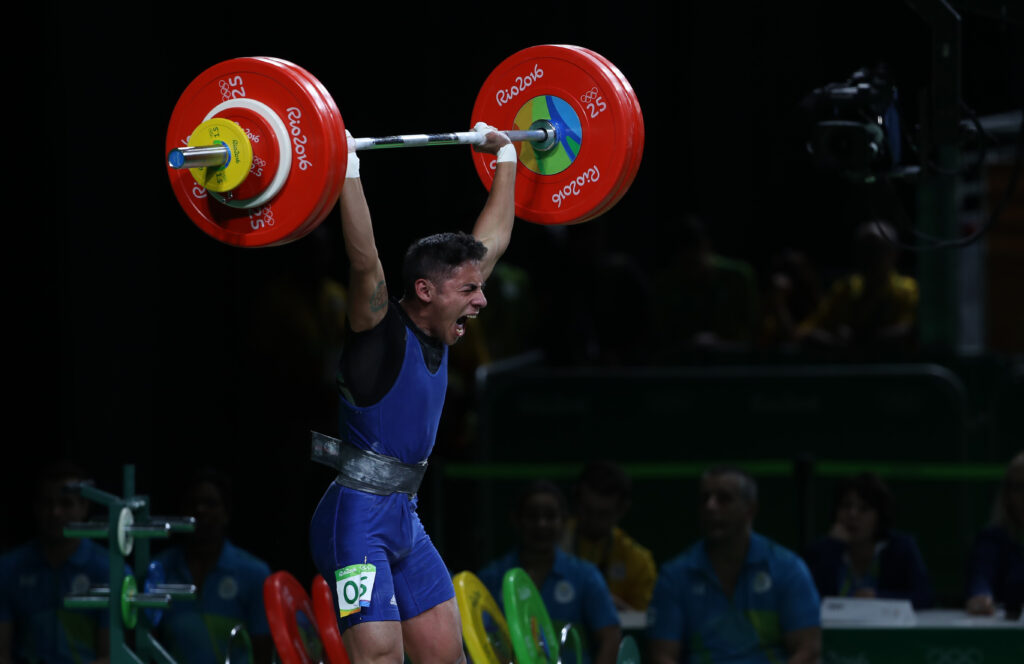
(436, 256)
(873, 491)
(748, 485)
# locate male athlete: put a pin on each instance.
(392, 590)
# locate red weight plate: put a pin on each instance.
(327, 621)
(628, 139)
(579, 177)
(638, 125)
(329, 111)
(316, 93)
(328, 116)
(265, 155)
(290, 616)
(309, 180)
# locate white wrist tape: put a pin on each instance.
(507, 153)
(352, 167)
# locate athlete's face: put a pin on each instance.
(454, 300)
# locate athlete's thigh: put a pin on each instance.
(435, 636)
(421, 579)
(374, 643)
(353, 558)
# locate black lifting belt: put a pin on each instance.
(365, 470)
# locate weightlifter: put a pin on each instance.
(390, 586)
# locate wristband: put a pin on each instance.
(507, 152)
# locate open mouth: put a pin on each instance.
(460, 324)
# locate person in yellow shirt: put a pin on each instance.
(602, 498)
(874, 308)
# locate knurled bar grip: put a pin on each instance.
(218, 155)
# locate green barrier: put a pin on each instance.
(970, 472)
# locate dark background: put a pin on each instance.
(136, 338)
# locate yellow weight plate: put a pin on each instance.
(484, 630)
(223, 132)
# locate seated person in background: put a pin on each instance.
(996, 569)
(602, 498)
(873, 309)
(707, 302)
(229, 581)
(791, 293)
(862, 556)
(735, 595)
(35, 577)
(573, 590)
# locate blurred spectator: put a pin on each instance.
(294, 336)
(229, 581)
(573, 590)
(735, 595)
(36, 576)
(872, 310)
(705, 301)
(602, 498)
(996, 569)
(791, 294)
(862, 556)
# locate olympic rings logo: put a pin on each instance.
(573, 187)
(954, 656)
(590, 95)
(231, 88)
(261, 217)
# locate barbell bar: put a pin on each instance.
(218, 155)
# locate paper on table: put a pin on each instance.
(867, 611)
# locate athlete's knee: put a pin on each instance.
(451, 654)
(374, 643)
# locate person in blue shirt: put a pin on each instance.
(229, 581)
(573, 589)
(735, 595)
(35, 577)
(862, 555)
(995, 573)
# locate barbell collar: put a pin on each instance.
(199, 157)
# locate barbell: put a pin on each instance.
(257, 153)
